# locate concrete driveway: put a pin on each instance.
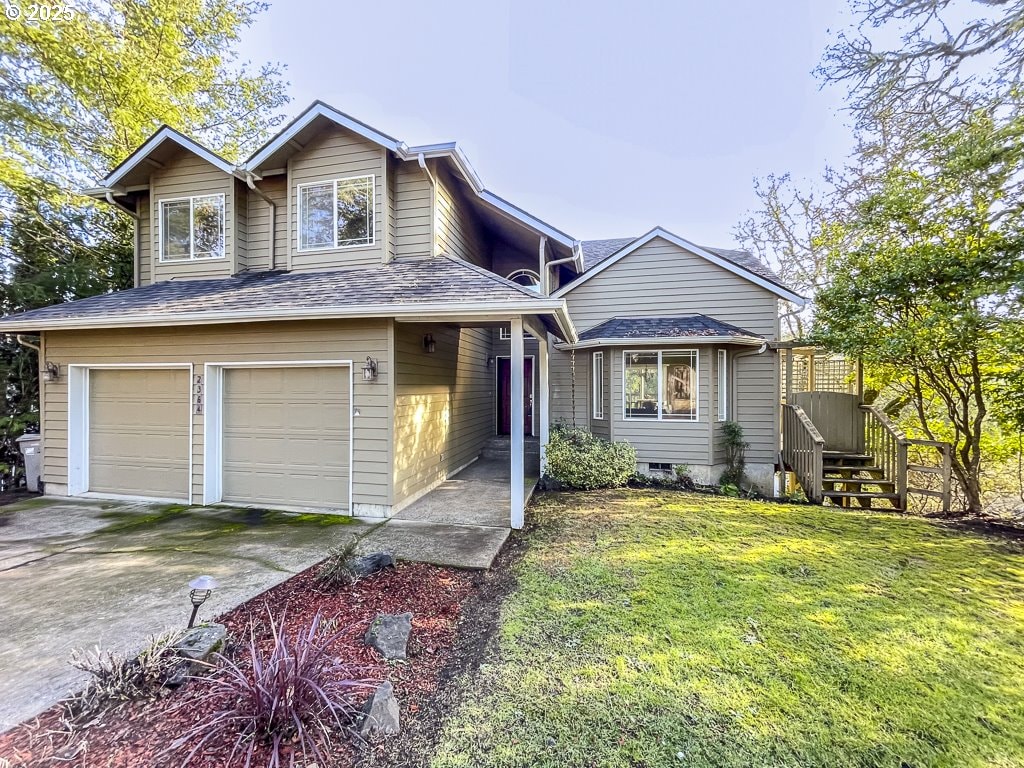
(81, 574)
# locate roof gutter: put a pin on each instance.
(647, 341)
(250, 181)
(137, 239)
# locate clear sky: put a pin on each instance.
(602, 118)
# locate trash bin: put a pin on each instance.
(31, 447)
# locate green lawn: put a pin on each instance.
(663, 629)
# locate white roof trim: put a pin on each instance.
(725, 264)
(164, 134)
(470, 309)
(319, 109)
(747, 341)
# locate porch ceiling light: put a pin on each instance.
(428, 344)
(202, 587)
(370, 370)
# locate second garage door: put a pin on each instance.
(286, 437)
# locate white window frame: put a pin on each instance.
(334, 228)
(659, 416)
(597, 384)
(191, 228)
(504, 334)
(723, 385)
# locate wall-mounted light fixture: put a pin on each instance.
(490, 362)
(428, 344)
(370, 370)
(51, 372)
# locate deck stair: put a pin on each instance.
(854, 480)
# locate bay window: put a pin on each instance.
(660, 385)
(192, 228)
(336, 214)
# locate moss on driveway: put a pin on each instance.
(78, 574)
(662, 629)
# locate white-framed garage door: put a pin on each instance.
(130, 431)
(285, 435)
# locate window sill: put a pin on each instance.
(334, 249)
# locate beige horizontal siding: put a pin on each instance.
(457, 231)
(188, 176)
(444, 404)
(284, 341)
(561, 380)
(145, 240)
(241, 206)
(258, 252)
(660, 278)
(413, 212)
(337, 153)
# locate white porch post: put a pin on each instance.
(517, 481)
(545, 416)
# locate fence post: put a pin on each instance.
(901, 473)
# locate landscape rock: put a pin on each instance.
(198, 643)
(381, 712)
(370, 564)
(390, 635)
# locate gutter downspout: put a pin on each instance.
(422, 162)
(21, 340)
(137, 242)
(546, 273)
(250, 181)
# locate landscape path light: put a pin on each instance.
(202, 587)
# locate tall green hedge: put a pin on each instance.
(577, 459)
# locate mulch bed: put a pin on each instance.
(138, 734)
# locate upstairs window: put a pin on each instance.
(336, 214)
(192, 228)
(661, 385)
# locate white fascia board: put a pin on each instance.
(644, 341)
(725, 264)
(320, 109)
(528, 307)
(164, 134)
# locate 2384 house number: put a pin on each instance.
(197, 394)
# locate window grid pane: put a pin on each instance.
(661, 385)
(176, 230)
(355, 211)
(598, 385)
(208, 227)
(723, 385)
(316, 216)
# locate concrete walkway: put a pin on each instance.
(81, 574)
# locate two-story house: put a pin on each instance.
(344, 321)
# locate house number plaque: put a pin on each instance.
(197, 394)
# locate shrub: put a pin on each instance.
(578, 459)
(118, 678)
(294, 695)
(334, 571)
(735, 454)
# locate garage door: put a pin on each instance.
(286, 436)
(139, 432)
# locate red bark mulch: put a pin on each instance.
(138, 734)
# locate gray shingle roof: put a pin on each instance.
(686, 326)
(441, 280)
(596, 251)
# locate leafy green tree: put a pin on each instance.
(76, 97)
(925, 285)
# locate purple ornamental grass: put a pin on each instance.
(297, 692)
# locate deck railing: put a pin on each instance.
(803, 450)
(891, 449)
(888, 445)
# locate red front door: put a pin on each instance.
(505, 396)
